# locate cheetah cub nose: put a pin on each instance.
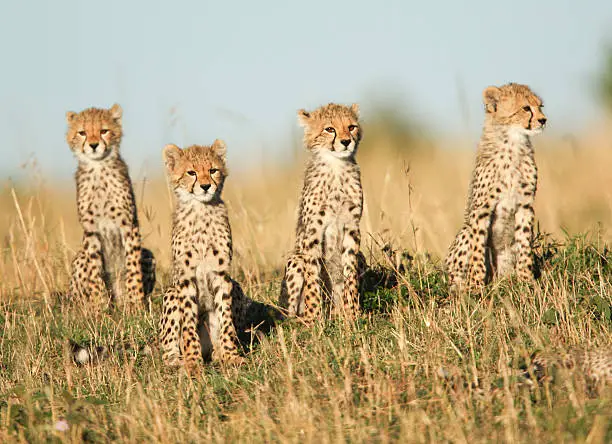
(205, 187)
(542, 121)
(94, 146)
(345, 142)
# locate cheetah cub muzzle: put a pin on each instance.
(497, 231)
(204, 305)
(110, 264)
(325, 261)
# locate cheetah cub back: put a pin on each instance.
(325, 262)
(111, 260)
(204, 303)
(496, 235)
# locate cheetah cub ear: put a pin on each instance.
(70, 116)
(355, 109)
(172, 154)
(490, 97)
(116, 113)
(219, 148)
(304, 117)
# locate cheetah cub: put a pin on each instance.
(595, 364)
(325, 259)
(497, 230)
(110, 262)
(201, 306)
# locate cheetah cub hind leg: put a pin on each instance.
(87, 282)
(170, 324)
(456, 262)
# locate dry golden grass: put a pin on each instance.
(413, 199)
(376, 381)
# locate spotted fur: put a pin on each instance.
(325, 258)
(204, 304)
(109, 266)
(594, 364)
(496, 235)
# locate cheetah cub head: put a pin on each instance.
(198, 172)
(94, 134)
(332, 130)
(515, 106)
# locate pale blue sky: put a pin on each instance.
(239, 70)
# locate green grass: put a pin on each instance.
(378, 380)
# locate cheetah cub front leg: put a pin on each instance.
(350, 265)
(497, 232)
(197, 319)
(292, 286)
(87, 272)
(324, 263)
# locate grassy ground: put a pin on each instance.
(418, 365)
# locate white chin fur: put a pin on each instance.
(88, 155)
(535, 131)
(520, 131)
(342, 154)
(92, 157)
(187, 197)
(207, 197)
(339, 148)
(345, 154)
